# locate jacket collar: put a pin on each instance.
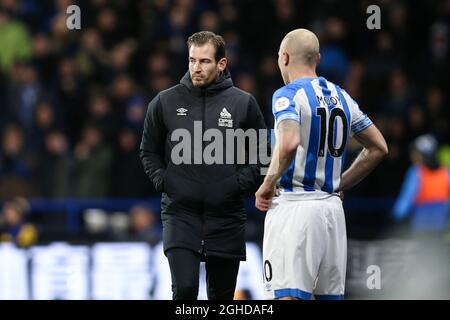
(223, 82)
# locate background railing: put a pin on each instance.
(73, 208)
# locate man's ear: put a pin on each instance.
(222, 64)
(286, 58)
(318, 59)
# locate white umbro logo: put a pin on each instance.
(181, 111)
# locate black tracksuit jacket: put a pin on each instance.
(202, 205)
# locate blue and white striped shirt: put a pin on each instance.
(327, 117)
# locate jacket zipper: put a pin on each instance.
(202, 250)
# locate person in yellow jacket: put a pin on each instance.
(13, 225)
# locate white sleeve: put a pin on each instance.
(360, 121)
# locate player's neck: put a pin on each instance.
(301, 73)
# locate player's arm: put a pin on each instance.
(153, 143)
(374, 150)
(284, 152)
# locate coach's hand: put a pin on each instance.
(264, 196)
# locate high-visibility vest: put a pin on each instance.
(434, 185)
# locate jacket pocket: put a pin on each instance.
(167, 177)
(240, 185)
(158, 180)
(249, 179)
(180, 185)
(224, 195)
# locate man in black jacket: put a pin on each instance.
(202, 203)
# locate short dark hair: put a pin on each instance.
(203, 37)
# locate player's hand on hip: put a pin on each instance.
(264, 196)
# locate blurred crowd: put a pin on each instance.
(140, 223)
(73, 101)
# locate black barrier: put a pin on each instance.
(73, 208)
